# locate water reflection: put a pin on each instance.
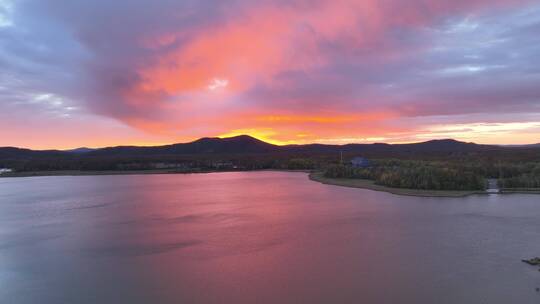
(260, 237)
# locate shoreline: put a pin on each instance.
(521, 191)
(312, 175)
(88, 173)
(133, 172)
(370, 185)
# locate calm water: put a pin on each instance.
(261, 237)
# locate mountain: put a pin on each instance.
(440, 145)
(80, 150)
(445, 145)
(245, 144)
(14, 153)
(207, 145)
(522, 146)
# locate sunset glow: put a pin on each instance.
(327, 71)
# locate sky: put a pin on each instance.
(136, 72)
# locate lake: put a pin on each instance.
(259, 237)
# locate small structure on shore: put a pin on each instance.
(492, 186)
(5, 170)
(360, 162)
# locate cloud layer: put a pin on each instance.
(286, 71)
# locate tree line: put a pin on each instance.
(527, 177)
(462, 171)
(411, 175)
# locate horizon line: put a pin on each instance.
(265, 141)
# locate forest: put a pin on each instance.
(442, 175)
(525, 176)
(412, 175)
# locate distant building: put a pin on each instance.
(5, 170)
(360, 162)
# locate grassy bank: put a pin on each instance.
(369, 184)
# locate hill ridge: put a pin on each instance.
(246, 144)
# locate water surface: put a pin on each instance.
(258, 237)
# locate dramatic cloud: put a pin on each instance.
(285, 71)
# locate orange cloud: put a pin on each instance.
(324, 119)
(241, 49)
